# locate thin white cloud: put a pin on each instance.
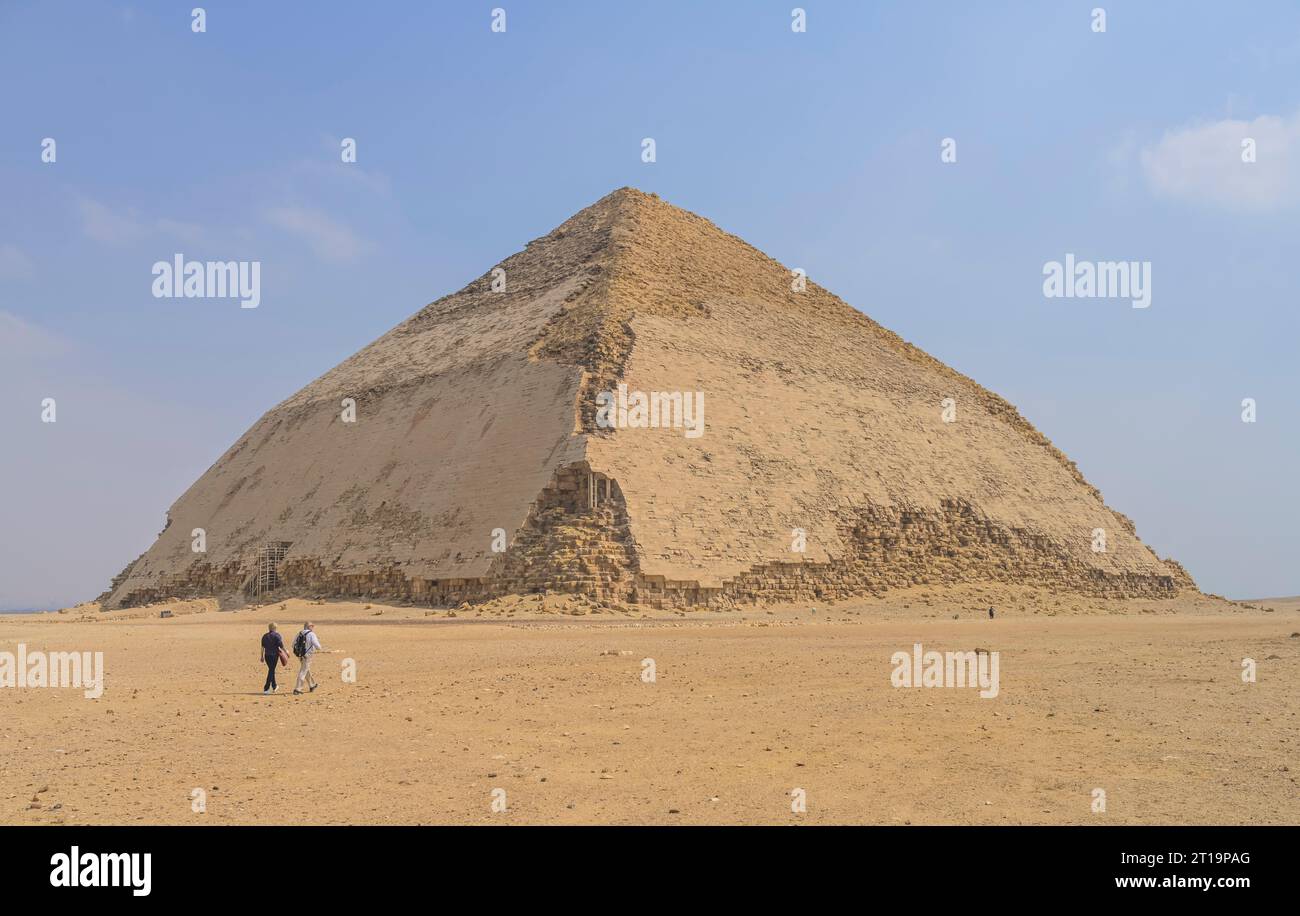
(1202, 163)
(348, 174)
(14, 264)
(328, 238)
(111, 227)
(331, 168)
(105, 225)
(21, 340)
(182, 231)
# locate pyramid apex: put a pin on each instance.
(630, 196)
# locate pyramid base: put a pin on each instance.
(577, 540)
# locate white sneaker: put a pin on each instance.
(265, 692)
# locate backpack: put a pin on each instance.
(300, 644)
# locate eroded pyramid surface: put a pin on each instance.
(478, 427)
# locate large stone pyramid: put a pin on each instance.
(480, 462)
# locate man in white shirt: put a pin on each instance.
(310, 644)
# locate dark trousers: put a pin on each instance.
(270, 671)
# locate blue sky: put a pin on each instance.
(821, 148)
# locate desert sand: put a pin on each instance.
(544, 699)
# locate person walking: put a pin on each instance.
(272, 653)
(305, 645)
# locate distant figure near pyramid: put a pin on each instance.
(641, 408)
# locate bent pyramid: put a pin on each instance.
(482, 460)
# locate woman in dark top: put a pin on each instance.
(272, 646)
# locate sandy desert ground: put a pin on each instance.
(545, 700)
